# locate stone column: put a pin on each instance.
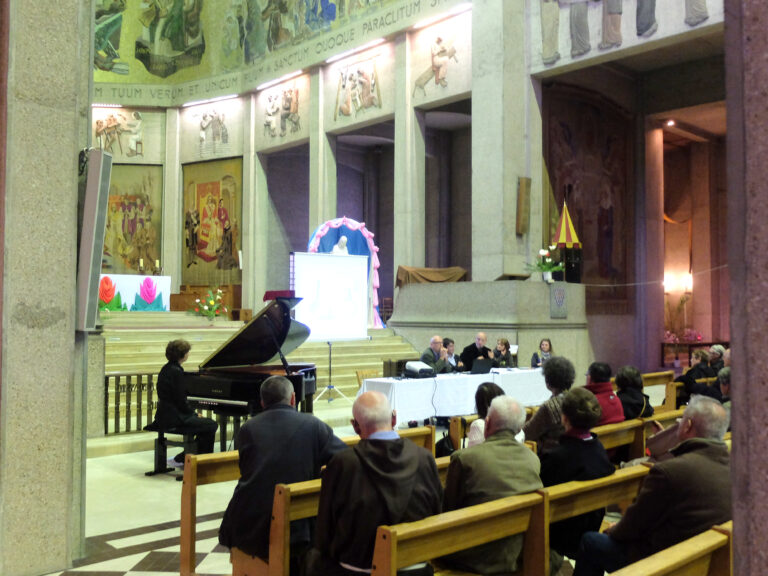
(42, 423)
(322, 159)
(701, 198)
(253, 179)
(747, 78)
(410, 159)
(260, 214)
(504, 114)
(173, 201)
(649, 207)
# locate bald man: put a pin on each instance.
(476, 351)
(436, 356)
(382, 480)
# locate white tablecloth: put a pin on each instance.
(454, 394)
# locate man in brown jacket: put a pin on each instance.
(679, 498)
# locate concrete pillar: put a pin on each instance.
(701, 264)
(173, 201)
(747, 79)
(250, 279)
(42, 418)
(322, 159)
(259, 244)
(650, 253)
(410, 160)
(503, 107)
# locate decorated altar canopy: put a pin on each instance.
(359, 243)
(565, 236)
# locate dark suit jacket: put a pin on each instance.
(439, 365)
(470, 354)
(279, 445)
(172, 407)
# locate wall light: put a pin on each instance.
(209, 100)
(456, 10)
(348, 53)
(670, 122)
(278, 80)
(678, 282)
(95, 105)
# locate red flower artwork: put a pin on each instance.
(106, 290)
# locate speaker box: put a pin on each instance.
(92, 216)
(573, 265)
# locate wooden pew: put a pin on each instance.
(224, 466)
(412, 542)
(628, 433)
(706, 554)
(661, 379)
(571, 499)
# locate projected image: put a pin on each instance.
(334, 292)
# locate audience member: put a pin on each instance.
(544, 353)
(680, 497)
(580, 456)
(476, 351)
(278, 445)
(716, 357)
(173, 410)
(451, 356)
(724, 380)
(382, 480)
(436, 356)
(545, 426)
(502, 357)
(486, 392)
(599, 383)
(629, 382)
(497, 468)
(699, 370)
(727, 357)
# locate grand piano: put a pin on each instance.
(229, 380)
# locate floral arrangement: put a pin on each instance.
(545, 263)
(210, 305)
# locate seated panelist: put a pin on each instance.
(453, 359)
(476, 351)
(436, 356)
(502, 357)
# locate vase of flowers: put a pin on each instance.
(546, 264)
(210, 305)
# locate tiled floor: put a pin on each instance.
(132, 521)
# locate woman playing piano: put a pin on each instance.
(174, 414)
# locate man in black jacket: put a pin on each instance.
(476, 351)
(278, 445)
(382, 480)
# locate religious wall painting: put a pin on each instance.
(134, 220)
(588, 144)
(108, 27)
(130, 135)
(212, 130)
(442, 59)
(212, 230)
(232, 36)
(171, 36)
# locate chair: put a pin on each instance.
(363, 374)
(385, 309)
(161, 447)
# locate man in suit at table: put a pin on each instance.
(476, 351)
(436, 356)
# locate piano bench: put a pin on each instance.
(188, 443)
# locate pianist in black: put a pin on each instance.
(173, 411)
(278, 445)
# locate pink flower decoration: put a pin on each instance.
(106, 290)
(148, 290)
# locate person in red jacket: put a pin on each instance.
(599, 383)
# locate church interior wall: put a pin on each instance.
(461, 199)
(385, 220)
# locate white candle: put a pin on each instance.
(157, 263)
(240, 258)
(141, 262)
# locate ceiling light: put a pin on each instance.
(348, 53)
(210, 100)
(278, 80)
(460, 9)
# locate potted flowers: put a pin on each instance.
(546, 264)
(210, 305)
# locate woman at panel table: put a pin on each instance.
(502, 357)
(544, 353)
(486, 392)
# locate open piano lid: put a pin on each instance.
(257, 342)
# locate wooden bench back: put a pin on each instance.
(412, 542)
(706, 554)
(628, 433)
(224, 466)
(458, 426)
